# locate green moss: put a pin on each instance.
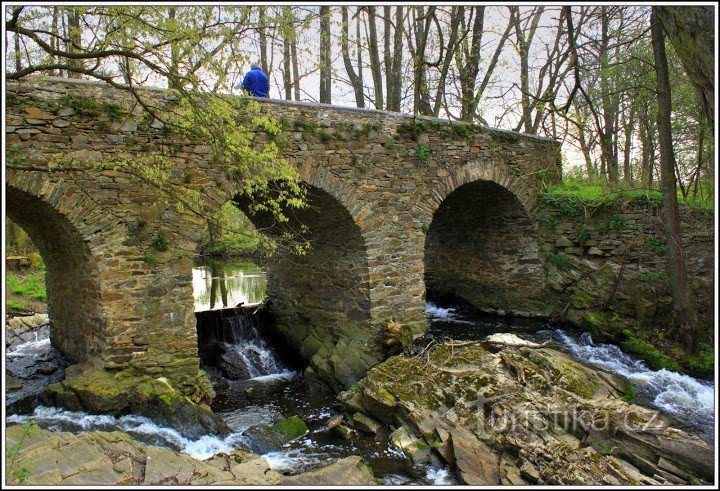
(385, 394)
(292, 428)
(648, 353)
(703, 362)
(629, 395)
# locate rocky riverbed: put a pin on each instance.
(114, 458)
(522, 416)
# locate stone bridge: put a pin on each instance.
(398, 205)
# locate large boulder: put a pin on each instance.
(99, 391)
(525, 416)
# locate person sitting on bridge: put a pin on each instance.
(256, 82)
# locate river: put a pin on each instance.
(266, 386)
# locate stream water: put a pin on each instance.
(257, 385)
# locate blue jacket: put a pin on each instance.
(257, 83)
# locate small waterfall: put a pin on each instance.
(247, 355)
(231, 340)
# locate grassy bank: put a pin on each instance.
(25, 291)
(572, 195)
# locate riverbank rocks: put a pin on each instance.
(99, 458)
(92, 389)
(22, 329)
(350, 471)
(525, 416)
(267, 438)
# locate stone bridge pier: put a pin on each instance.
(396, 206)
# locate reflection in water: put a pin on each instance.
(221, 283)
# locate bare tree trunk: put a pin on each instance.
(676, 260)
(455, 14)
(393, 58)
(608, 129)
(295, 70)
(471, 66)
(325, 67)
(18, 53)
(701, 142)
(263, 40)
(287, 80)
(174, 69)
(345, 47)
(55, 40)
(421, 94)
(691, 32)
(629, 127)
(589, 167)
(524, 40)
(75, 40)
(358, 47)
(375, 59)
(648, 149)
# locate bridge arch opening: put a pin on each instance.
(71, 275)
(481, 248)
(320, 299)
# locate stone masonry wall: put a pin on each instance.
(390, 172)
(610, 264)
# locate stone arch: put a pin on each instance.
(481, 247)
(477, 170)
(321, 300)
(50, 215)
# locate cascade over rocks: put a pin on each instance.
(525, 416)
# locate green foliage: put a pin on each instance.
(160, 242)
(423, 152)
(235, 233)
(412, 130)
(560, 260)
(653, 277)
(656, 244)
(151, 259)
(551, 222)
(18, 474)
(583, 234)
(448, 131)
(424, 227)
(617, 222)
(83, 106)
(572, 195)
(32, 286)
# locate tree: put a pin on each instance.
(192, 48)
(691, 32)
(355, 78)
(325, 56)
(671, 217)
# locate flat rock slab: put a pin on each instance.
(349, 471)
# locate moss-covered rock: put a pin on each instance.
(97, 390)
(522, 415)
(266, 438)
